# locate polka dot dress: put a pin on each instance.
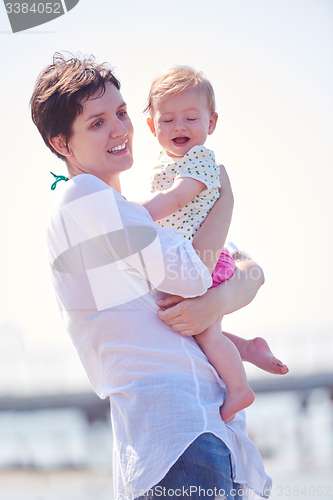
(199, 163)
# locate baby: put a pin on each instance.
(181, 106)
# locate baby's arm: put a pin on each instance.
(171, 200)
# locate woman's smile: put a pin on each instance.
(118, 149)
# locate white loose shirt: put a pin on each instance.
(110, 264)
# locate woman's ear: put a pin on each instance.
(59, 144)
(212, 122)
(151, 125)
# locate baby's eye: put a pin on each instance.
(167, 121)
(191, 119)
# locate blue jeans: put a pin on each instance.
(203, 470)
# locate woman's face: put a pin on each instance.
(102, 135)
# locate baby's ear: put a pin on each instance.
(212, 122)
(151, 125)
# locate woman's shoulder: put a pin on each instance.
(86, 196)
(78, 187)
(75, 190)
(83, 185)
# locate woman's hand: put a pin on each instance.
(225, 182)
(193, 316)
(186, 316)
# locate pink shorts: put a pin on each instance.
(224, 268)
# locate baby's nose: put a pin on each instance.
(180, 125)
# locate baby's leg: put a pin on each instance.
(257, 352)
(225, 358)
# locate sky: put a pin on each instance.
(271, 65)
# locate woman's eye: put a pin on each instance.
(122, 114)
(98, 124)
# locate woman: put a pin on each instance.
(110, 265)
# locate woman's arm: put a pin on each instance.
(210, 239)
(192, 316)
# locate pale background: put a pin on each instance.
(271, 65)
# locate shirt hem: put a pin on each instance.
(265, 487)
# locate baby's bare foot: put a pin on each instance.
(259, 354)
(236, 401)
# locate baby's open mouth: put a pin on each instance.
(180, 141)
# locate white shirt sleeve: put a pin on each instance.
(169, 263)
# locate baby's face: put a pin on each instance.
(182, 121)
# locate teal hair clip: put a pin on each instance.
(57, 179)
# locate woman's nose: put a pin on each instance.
(118, 129)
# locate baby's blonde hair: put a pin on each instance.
(177, 79)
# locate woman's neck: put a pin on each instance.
(112, 180)
(115, 184)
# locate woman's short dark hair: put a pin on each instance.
(60, 89)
